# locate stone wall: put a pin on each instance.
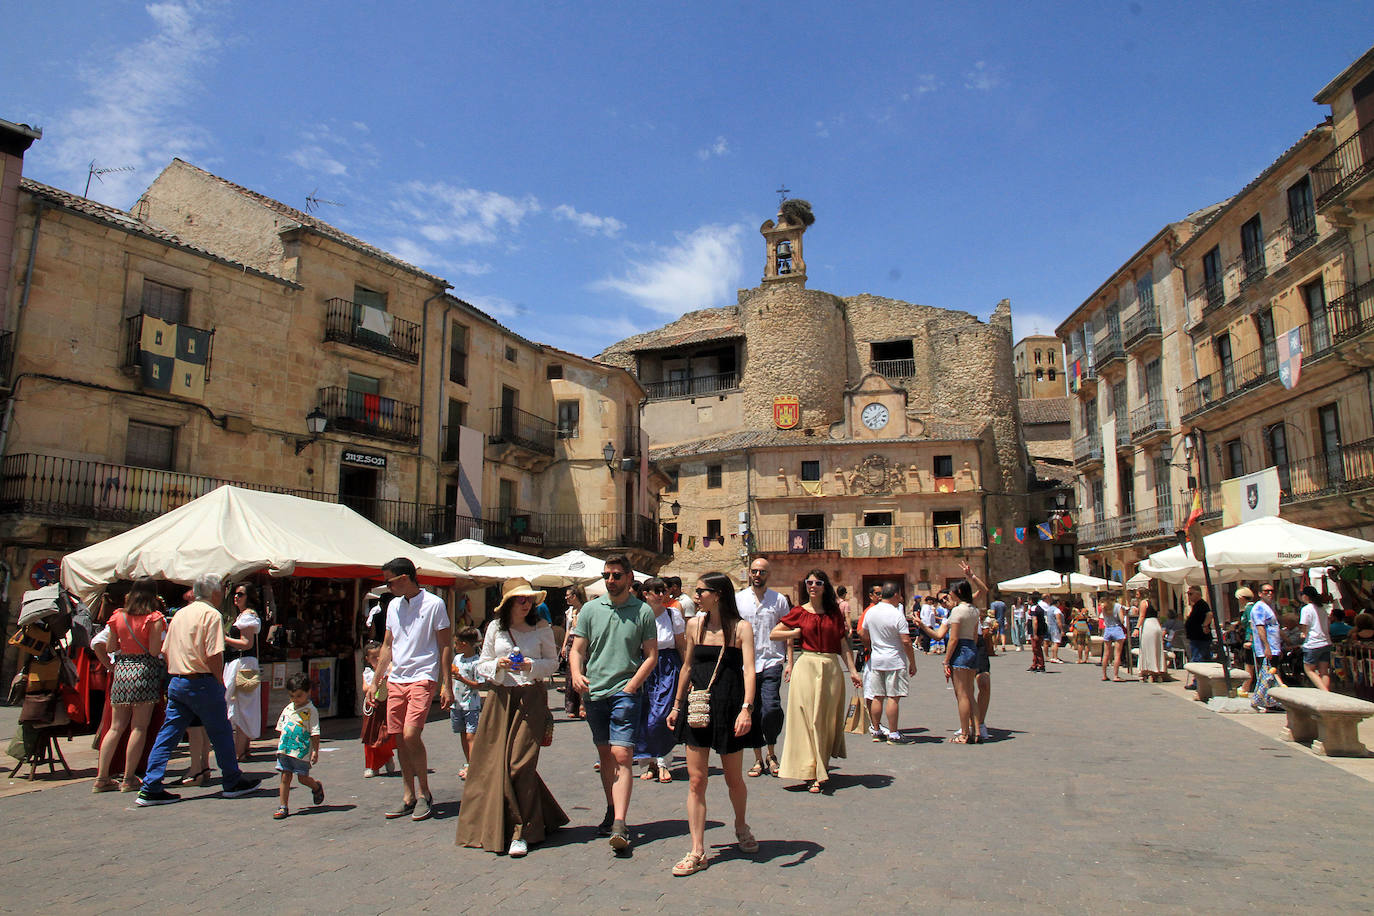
(795, 347)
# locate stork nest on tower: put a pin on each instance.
(797, 212)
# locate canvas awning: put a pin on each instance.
(1050, 582)
(232, 532)
(1257, 549)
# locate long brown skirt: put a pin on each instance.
(504, 797)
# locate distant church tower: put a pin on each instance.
(784, 241)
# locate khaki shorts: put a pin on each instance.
(893, 683)
(407, 705)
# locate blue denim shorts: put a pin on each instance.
(613, 719)
(288, 764)
(463, 720)
(965, 655)
(1315, 657)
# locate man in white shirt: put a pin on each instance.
(1316, 644)
(763, 608)
(684, 603)
(891, 661)
(415, 650)
(1054, 618)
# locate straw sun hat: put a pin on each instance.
(516, 588)
(1245, 593)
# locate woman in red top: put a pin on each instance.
(815, 702)
(136, 632)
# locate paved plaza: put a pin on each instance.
(1093, 797)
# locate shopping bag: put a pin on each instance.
(856, 720)
(1265, 681)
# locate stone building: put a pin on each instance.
(202, 339)
(1039, 368)
(1046, 428)
(874, 438)
(1189, 349)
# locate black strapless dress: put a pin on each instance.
(727, 696)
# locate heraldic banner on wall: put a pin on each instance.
(876, 541)
(786, 412)
(1250, 497)
(173, 357)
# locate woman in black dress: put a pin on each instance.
(721, 648)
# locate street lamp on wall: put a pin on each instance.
(625, 464)
(315, 423)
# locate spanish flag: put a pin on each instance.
(1196, 512)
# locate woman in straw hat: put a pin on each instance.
(506, 805)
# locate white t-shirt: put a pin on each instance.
(1318, 626)
(686, 605)
(885, 625)
(415, 625)
(928, 615)
(763, 616)
(669, 624)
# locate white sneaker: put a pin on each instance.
(518, 848)
(369, 773)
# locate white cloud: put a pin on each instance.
(925, 83)
(701, 270)
(589, 223)
(1024, 325)
(421, 256)
(982, 77)
(495, 306)
(447, 213)
(315, 160)
(720, 148)
(136, 111)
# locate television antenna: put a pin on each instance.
(313, 201)
(96, 173)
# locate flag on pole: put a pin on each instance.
(1020, 535)
(1196, 512)
(1044, 529)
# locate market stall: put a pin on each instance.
(311, 559)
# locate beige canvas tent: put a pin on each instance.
(232, 532)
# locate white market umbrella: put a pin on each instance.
(1139, 580)
(470, 553)
(1256, 550)
(572, 568)
(1050, 582)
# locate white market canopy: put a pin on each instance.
(572, 568)
(470, 554)
(231, 532)
(1050, 582)
(1139, 580)
(1256, 550)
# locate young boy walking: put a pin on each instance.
(298, 748)
(467, 702)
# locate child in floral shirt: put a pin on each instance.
(298, 749)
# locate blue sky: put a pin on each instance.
(584, 171)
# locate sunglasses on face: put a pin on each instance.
(613, 575)
(702, 591)
(659, 591)
(758, 572)
(814, 583)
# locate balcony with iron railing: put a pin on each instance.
(692, 386)
(1345, 168)
(1149, 421)
(1140, 328)
(1108, 351)
(1122, 432)
(372, 329)
(895, 368)
(512, 426)
(850, 541)
(590, 530)
(1244, 276)
(1347, 469)
(1087, 449)
(1152, 524)
(1254, 267)
(370, 415)
(73, 488)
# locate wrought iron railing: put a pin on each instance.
(372, 329)
(519, 427)
(1298, 234)
(1353, 313)
(1257, 367)
(850, 541)
(595, 530)
(45, 485)
(1150, 419)
(895, 368)
(1254, 267)
(1122, 430)
(370, 414)
(691, 386)
(1140, 327)
(1154, 523)
(1348, 468)
(1345, 166)
(1087, 449)
(1108, 350)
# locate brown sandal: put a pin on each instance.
(756, 769)
(747, 842)
(690, 864)
(774, 768)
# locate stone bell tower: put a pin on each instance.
(784, 242)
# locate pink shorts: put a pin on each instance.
(407, 705)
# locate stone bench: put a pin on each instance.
(1211, 680)
(1331, 721)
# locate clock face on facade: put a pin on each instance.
(874, 416)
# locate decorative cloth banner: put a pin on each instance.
(172, 357)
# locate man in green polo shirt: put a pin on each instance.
(615, 648)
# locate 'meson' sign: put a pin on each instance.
(363, 458)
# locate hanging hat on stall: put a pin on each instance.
(515, 588)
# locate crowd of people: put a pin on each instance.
(649, 667)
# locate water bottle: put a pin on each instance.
(517, 658)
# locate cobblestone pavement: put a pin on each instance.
(1093, 798)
